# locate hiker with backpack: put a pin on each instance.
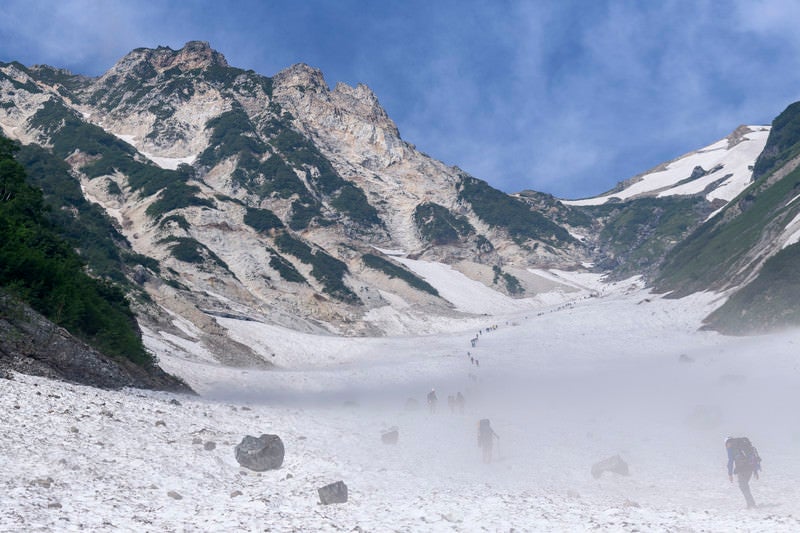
(432, 400)
(744, 461)
(486, 436)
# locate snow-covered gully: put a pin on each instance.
(624, 374)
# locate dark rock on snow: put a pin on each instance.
(390, 436)
(613, 464)
(333, 493)
(260, 453)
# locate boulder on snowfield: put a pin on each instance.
(260, 453)
(390, 436)
(333, 493)
(613, 464)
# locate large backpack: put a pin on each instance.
(745, 455)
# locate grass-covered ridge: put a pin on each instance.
(394, 270)
(40, 268)
(438, 225)
(783, 142)
(768, 302)
(500, 210)
(285, 268)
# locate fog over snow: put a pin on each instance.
(605, 371)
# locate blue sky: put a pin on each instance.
(564, 97)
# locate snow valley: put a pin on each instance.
(624, 373)
(272, 244)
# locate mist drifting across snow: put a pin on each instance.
(563, 391)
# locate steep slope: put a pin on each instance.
(638, 223)
(750, 246)
(268, 199)
(718, 172)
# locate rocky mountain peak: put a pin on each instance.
(303, 77)
(193, 55)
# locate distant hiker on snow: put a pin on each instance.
(460, 402)
(432, 399)
(486, 436)
(743, 460)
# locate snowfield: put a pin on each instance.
(566, 385)
(728, 167)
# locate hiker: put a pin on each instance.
(432, 399)
(743, 460)
(486, 436)
(460, 402)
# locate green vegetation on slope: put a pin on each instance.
(108, 154)
(638, 234)
(711, 255)
(40, 268)
(500, 210)
(286, 269)
(262, 220)
(783, 142)
(326, 269)
(394, 270)
(513, 286)
(768, 302)
(437, 225)
(189, 250)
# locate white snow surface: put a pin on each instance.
(465, 294)
(733, 166)
(564, 386)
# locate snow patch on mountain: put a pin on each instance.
(720, 171)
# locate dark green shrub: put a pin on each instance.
(286, 269)
(176, 196)
(190, 250)
(262, 220)
(326, 269)
(437, 225)
(396, 271)
(180, 220)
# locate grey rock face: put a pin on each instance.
(333, 493)
(613, 464)
(260, 453)
(31, 344)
